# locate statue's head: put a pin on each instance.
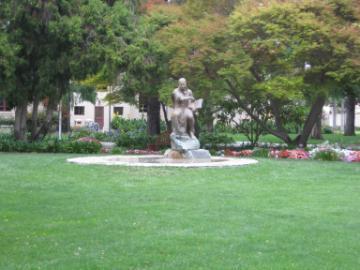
(182, 84)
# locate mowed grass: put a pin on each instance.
(331, 138)
(277, 214)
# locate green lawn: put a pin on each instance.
(332, 138)
(277, 214)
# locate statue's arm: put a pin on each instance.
(188, 97)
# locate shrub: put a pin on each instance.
(260, 152)
(8, 144)
(117, 151)
(7, 121)
(100, 136)
(126, 125)
(79, 133)
(89, 140)
(327, 130)
(134, 140)
(327, 155)
(214, 140)
(80, 147)
(221, 127)
(132, 125)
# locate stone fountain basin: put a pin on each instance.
(161, 161)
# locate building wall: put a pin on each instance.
(328, 113)
(129, 111)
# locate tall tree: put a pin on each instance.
(145, 68)
(286, 53)
(348, 75)
(192, 46)
(58, 41)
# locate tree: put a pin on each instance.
(192, 45)
(58, 41)
(199, 8)
(271, 47)
(348, 75)
(145, 68)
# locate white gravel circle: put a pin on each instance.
(160, 161)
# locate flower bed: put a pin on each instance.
(243, 153)
(324, 152)
(291, 154)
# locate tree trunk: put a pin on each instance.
(34, 117)
(209, 124)
(167, 121)
(45, 127)
(316, 131)
(282, 134)
(153, 116)
(350, 102)
(20, 122)
(315, 113)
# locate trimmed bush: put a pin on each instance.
(134, 140)
(212, 140)
(8, 144)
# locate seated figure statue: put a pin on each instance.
(182, 119)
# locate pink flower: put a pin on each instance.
(352, 156)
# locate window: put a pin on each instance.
(3, 105)
(79, 110)
(142, 104)
(118, 110)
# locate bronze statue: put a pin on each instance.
(182, 119)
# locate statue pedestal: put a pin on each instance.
(199, 154)
(184, 147)
(184, 142)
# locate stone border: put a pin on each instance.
(133, 161)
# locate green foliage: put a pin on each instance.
(117, 151)
(214, 140)
(128, 125)
(79, 133)
(145, 61)
(260, 152)
(100, 136)
(327, 155)
(328, 130)
(270, 49)
(7, 121)
(55, 43)
(80, 147)
(134, 140)
(9, 144)
(192, 46)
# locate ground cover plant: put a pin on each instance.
(278, 214)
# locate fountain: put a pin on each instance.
(185, 147)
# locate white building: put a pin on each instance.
(102, 113)
(335, 118)
(85, 112)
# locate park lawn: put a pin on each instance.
(278, 214)
(331, 138)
